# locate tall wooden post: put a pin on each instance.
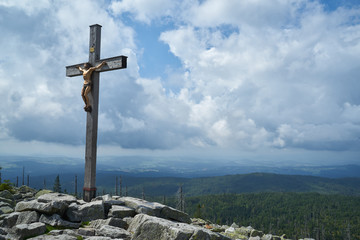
(76, 186)
(113, 63)
(116, 185)
(92, 118)
(120, 186)
(23, 179)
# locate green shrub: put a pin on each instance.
(83, 224)
(7, 185)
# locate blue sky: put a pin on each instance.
(246, 81)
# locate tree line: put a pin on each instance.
(298, 215)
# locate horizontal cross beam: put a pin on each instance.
(112, 63)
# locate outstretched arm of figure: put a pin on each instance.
(81, 70)
(100, 65)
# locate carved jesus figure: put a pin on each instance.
(87, 70)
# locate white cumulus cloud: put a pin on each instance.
(254, 75)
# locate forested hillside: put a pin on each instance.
(266, 182)
(302, 215)
(241, 183)
(245, 183)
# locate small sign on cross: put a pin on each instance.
(113, 63)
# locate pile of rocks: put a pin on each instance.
(62, 216)
(9, 199)
(51, 215)
(238, 233)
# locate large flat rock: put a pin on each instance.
(6, 209)
(113, 232)
(145, 227)
(49, 197)
(55, 220)
(156, 209)
(10, 202)
(86, 212)
(23, 231)
(116, 222)
(6, 194)
(50, 237)
(10, 220)
(121, 211)
(47, 208)
(27, 217)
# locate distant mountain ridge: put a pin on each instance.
(241, 183)
(201, 179)
(149, 167)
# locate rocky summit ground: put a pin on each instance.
(37, 215)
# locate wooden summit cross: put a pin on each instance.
(119, 62)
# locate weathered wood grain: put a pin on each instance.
(112, 63)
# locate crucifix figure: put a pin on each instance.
(90, 94)
(86, 72)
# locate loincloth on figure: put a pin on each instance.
(87, 85)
